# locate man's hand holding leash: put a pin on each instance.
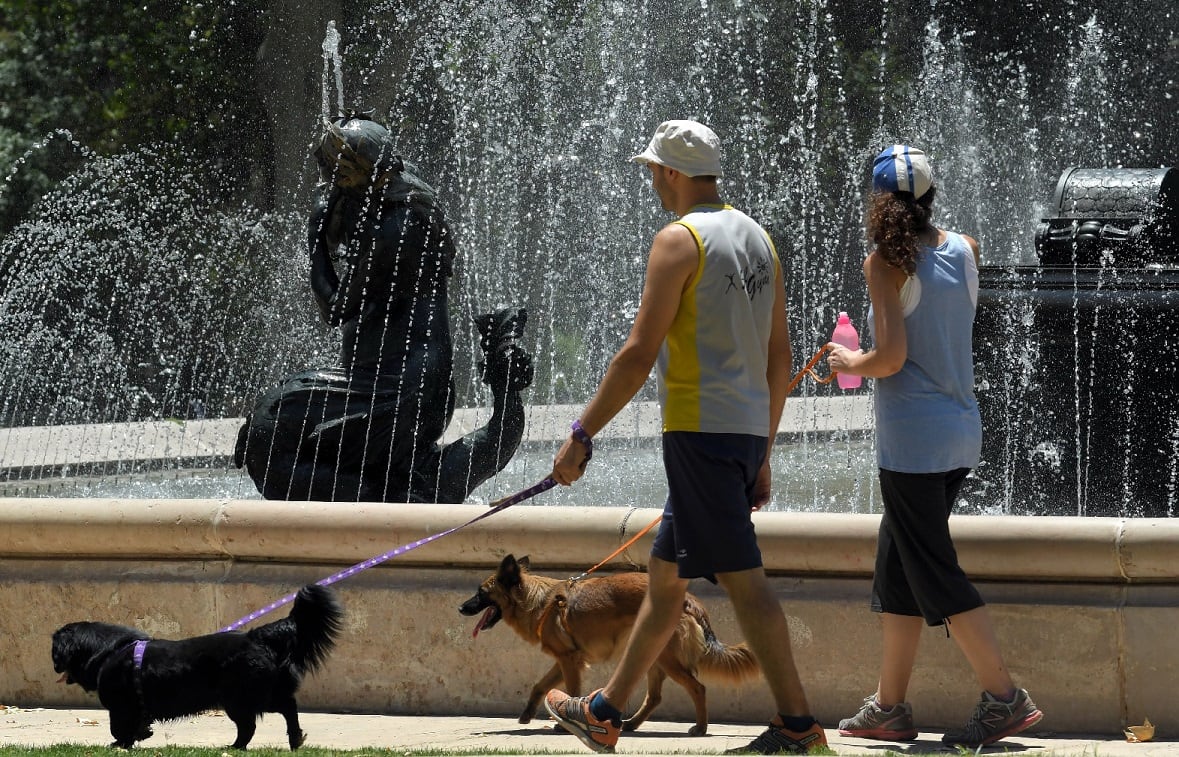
(569, 464)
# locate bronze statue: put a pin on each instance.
(368, 430)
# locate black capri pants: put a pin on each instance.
(917, 571)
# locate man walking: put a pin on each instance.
(713, 319)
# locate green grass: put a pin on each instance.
(73, 750)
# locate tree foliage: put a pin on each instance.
(112, 74)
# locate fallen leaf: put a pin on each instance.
(1144, 732)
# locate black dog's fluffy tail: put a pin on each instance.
(318, 617)
(309, 632)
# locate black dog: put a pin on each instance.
(141, 680)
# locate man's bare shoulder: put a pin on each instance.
(675, 239)
(675, 230)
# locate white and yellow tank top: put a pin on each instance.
(712, 365)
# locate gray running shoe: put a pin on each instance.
(993, 720)
(872, 722)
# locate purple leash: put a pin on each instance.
(495, 507)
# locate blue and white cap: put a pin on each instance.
(901, 168)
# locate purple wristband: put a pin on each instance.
(579, 435)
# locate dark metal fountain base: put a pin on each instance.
(1077, 374)
(1077, 359)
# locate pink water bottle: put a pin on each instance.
(846, 336)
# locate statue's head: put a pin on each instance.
(356, 152)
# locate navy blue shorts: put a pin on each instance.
(706, 527)
(917, 571)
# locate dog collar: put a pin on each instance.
(137, 653)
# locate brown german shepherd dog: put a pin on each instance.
(588, 621)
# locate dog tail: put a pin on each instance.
(318, 617)
(733, 663)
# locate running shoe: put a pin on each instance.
(873, 722)
(993, 720)
(778, 740)
(575, 716)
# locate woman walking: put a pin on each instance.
(923, 287)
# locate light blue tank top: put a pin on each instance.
(927, 419)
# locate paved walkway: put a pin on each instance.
(42, 727)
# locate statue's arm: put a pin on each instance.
(364, 277)
(325, 284)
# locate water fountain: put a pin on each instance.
(520, 119)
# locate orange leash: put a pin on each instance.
(808, 370)
(620, 550)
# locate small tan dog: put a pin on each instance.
(588, 621)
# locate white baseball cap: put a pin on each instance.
(689, 147)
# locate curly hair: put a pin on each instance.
(894, 221)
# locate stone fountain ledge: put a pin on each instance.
(1085, 607)
(44, 451)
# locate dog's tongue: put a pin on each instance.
(482, 621)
